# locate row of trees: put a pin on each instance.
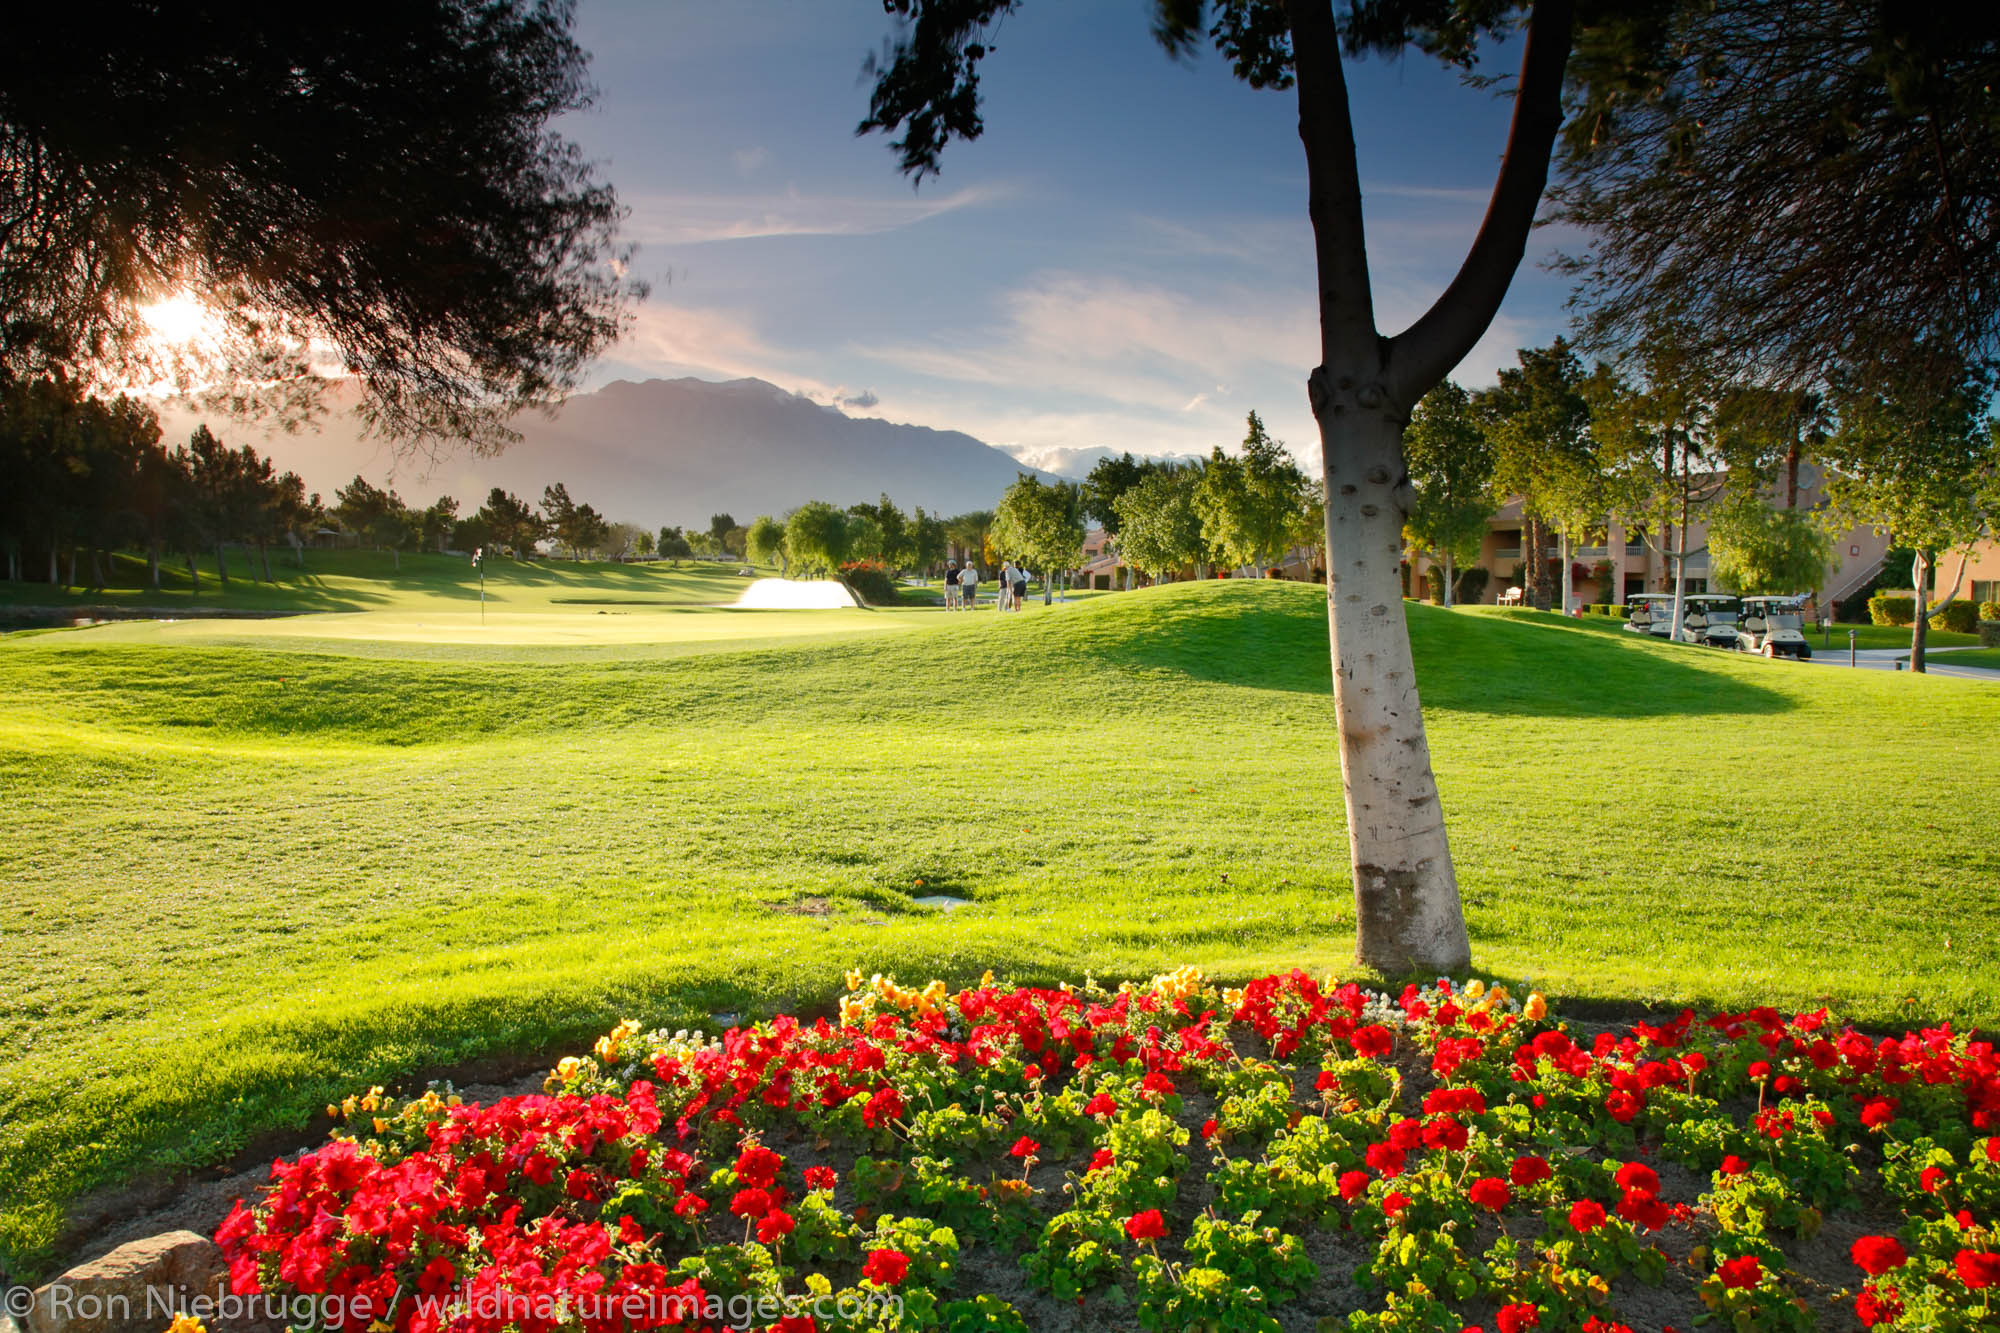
(1651, 445)
(819, 537)
(88, 476)
(1243, 510)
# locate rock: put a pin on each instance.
(137, 1288)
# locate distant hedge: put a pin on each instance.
(870, 582)
(1959, 615)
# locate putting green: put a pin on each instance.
(579, 626)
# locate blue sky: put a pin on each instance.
(1123, 261)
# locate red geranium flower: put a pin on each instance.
(1528, 1171)
(1513, 1318)
(1445, 1134)
(1878, 1306)
(1208, 1129)
(1101, 1104)
(1586, 1215)
(758, 1167)
(1931, 1178)
(1394, 1204)
(1372, 1041)
(1406, 1134)
(821, 1178)
(1638, 1176)
(1353, 1185)
(1024, 1147)
(1099, 1160)
(1148, 1225)
(690, 1206)
(1743, 1271)
(1732, 1165)
(1489, 1193)
(1876, 1255)
(775, 1226)
(1385, 1160)
(886, 1268)
(1976, 1269)
(1644, 1209)
(750, 1203)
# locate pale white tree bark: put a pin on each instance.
(1408, 917)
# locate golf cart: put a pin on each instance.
(1775, 627)
(1709, 619)
(1651, 613)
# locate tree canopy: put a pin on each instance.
(384, 180)
(1041, 523)
(1805, 183)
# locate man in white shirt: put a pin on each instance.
(968, 582)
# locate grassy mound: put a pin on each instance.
(255, 871)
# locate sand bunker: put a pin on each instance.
(795, 595)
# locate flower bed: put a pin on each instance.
(1169, 1156)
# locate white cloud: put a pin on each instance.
(747, 160)
(682, 219)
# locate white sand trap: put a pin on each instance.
(796, 595)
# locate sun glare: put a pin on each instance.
(177, 322)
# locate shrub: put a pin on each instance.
(870, 582)
(1989, 632)
(1886, 610)
(1472, 584)
(1989, 611)
(1959, 616)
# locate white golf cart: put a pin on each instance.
(1775, 627)
(1709, 619)
(1650, 613)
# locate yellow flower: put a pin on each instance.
(1536, 1009)
(853, 978)
(568, 1067)
(986, 978)
(186, 1323)
(1474, 989)
(381, 1125)
(332, 1110)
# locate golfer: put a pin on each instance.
(951, 586)
(968, 582)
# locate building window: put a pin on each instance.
(1986, 590)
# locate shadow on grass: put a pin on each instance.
(1273, 636)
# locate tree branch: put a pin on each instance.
(1425, 352)
(1347, 333)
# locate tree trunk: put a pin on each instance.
(222, 563)
(96, 566)
(194, 573)
(1920, 571)
(1407, 912)
(1449, 577)
(1568, 575)
(55, 565)
(396, 557)
(264, 555)
(153, 566)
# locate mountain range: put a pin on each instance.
(665, 451)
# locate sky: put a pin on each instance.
(1122, 261)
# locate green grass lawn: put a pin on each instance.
(1885, 636)
(1978, 657)
(381, 581)
(249, 867)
